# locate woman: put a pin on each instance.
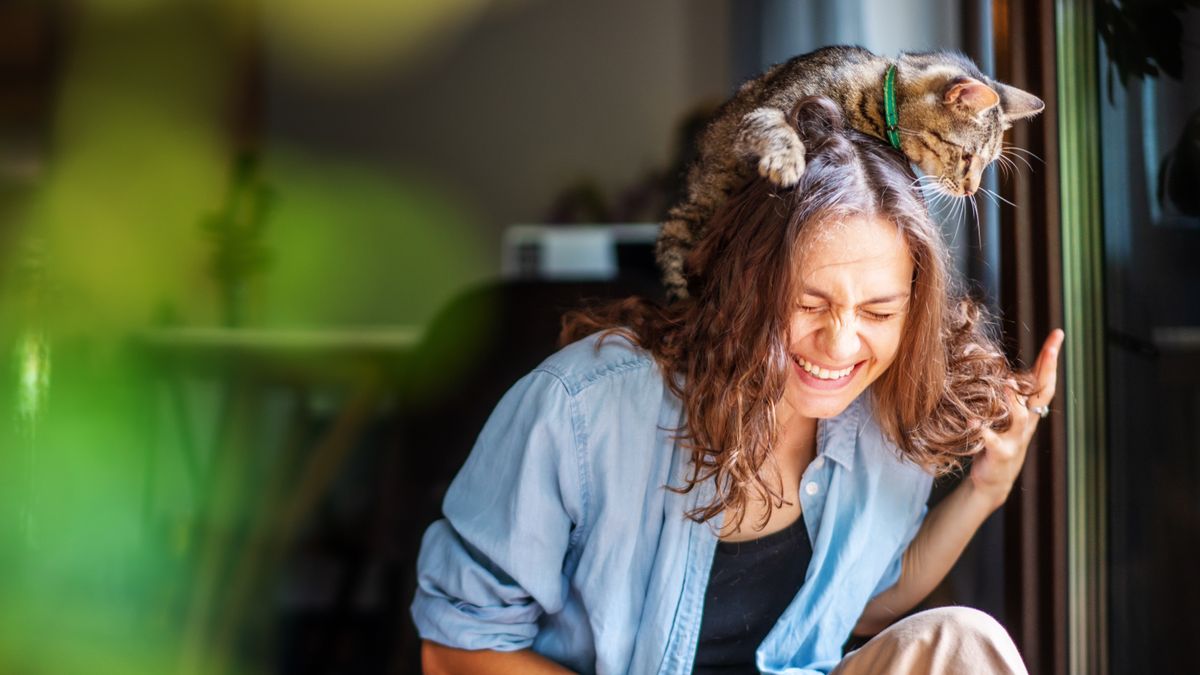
(736, 482)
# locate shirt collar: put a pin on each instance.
(837, 437)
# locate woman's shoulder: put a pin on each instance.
(600, 358)
(621, 401)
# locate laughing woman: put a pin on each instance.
(736, 482)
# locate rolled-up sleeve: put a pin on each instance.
(489, 570)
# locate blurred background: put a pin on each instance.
(266, 266)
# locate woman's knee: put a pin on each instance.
(965, 625)
(965, 617)
(942, 640)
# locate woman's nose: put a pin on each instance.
(841, 339)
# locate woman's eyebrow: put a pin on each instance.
(873, 301)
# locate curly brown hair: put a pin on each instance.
(728, 339)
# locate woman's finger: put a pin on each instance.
(1046, 371)
(1047, 361)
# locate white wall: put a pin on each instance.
(530, 98)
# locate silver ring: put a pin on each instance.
(1041, 410)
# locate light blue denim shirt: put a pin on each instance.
(560, 534)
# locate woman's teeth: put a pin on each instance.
(821, 372)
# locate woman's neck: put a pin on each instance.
(796, 440)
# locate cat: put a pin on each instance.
(950, 120)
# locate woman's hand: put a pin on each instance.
(996, 468)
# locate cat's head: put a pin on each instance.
(952, 117)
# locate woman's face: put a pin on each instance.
(845, 329)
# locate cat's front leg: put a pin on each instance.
(764, 134)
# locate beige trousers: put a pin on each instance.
(943, 641)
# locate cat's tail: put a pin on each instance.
(709, 185)
(675, 239)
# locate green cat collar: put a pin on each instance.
(889, 107)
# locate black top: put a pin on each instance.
(750, 585)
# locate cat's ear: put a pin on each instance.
(970, 94)
(1017, 104)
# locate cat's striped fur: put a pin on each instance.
(951, 117)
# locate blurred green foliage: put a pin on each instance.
(101, 535)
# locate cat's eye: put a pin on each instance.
(967, 157)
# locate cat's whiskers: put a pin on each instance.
(1007, 166)
(978, 225)
(1010, 157)
(1017, 148)
(923, 181)
(938, 186)
(990, 195)
(1002, 166)
(946, 206)
(957, 226)
(957, 213)
(995, 196)
(1011, 151)
(928, 189)
(960, 208)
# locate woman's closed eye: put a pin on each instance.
(877, 315)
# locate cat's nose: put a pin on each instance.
(970, 187)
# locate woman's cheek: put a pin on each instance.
(885, 341)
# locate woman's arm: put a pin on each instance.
(951, 524)
(490, 569)
(439, 659)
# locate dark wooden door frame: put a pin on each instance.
(1024, 43)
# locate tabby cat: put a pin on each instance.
(949, 121)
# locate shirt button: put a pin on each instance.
(811, 489)
(818, 462)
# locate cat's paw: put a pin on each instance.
(765, 133)
(782, 165)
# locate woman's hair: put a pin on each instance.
(729, 339)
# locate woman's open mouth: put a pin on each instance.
(818, 377)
